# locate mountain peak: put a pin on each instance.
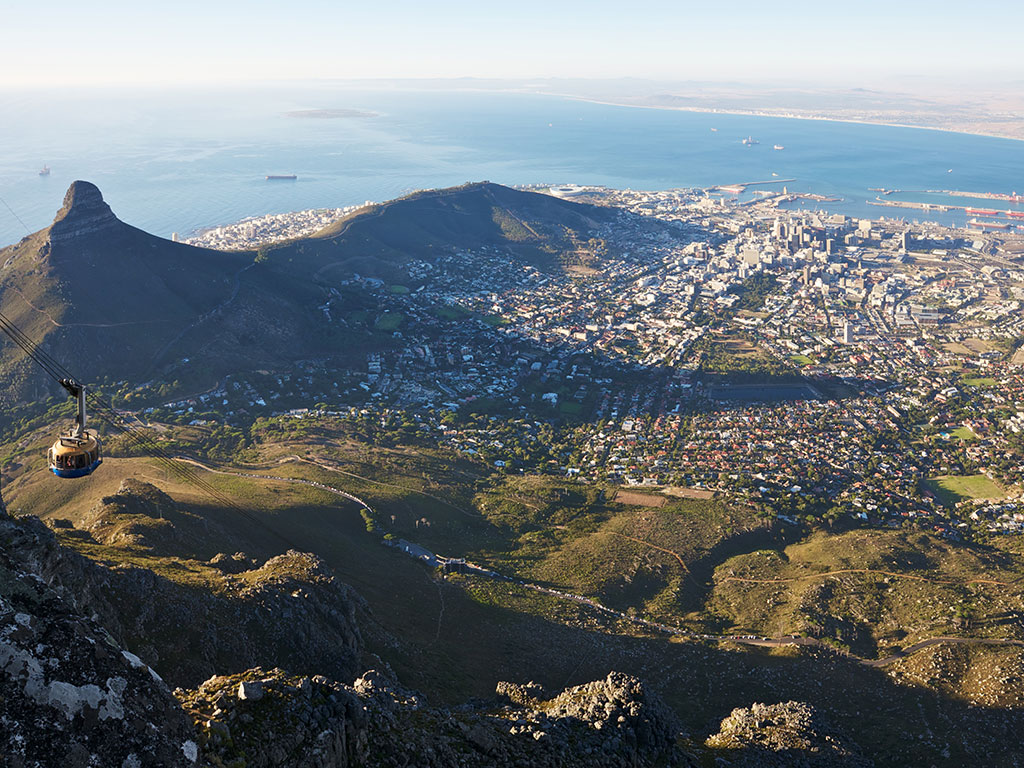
(83, 212)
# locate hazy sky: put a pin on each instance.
(72, 42)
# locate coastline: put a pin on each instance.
(793, 116)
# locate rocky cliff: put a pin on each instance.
(788, 735)
(83, 213)
(290, 610)
(270, 719)
(71, 696)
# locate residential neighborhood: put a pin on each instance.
(803, 362)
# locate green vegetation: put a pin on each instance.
(801, 359)
(755, 290)
(449, 312)
(979, 381)
(887, 589)
(510, 226)
(738, 357)
(964, 433)
(637, 558)
(951, 489)
(389, 321)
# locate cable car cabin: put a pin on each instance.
(77, 453)
(73, 456)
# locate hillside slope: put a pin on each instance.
(109, 300)
(531, 227)
(71, 694)
(102, 296)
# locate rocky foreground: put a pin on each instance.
(71, 694)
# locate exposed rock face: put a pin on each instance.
(69, 696)
(377, 724)
(791, 734)
(619, 706)
(292, 721)
(291, 611)
(84, 213)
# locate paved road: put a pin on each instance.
(911, 649)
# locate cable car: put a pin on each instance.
(77, 453)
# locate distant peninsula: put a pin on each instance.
(992, 111)
(330, 114)
(993, 108)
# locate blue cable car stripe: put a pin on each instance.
(79, 472)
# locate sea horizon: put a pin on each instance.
(162, 168)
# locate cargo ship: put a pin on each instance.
(981, 211)
(44, 171)
(987, 224)
(750, 141)
(1016, 214)
(282, 177)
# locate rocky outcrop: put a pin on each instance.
(84, 212)
(792, 734)
(69, 695)
(291, 612)
(236, 563)
(142, 517)
(273, 720)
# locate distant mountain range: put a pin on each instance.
(107, 299)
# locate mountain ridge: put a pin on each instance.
(108, 299)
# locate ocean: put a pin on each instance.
(178, 161)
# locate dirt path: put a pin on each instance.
(56, 324)
(235, 287)
(655, 546)
(909, 650)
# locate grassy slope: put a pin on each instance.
(459, 636)
(920, 587)
(654, 560)
(107, 302)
